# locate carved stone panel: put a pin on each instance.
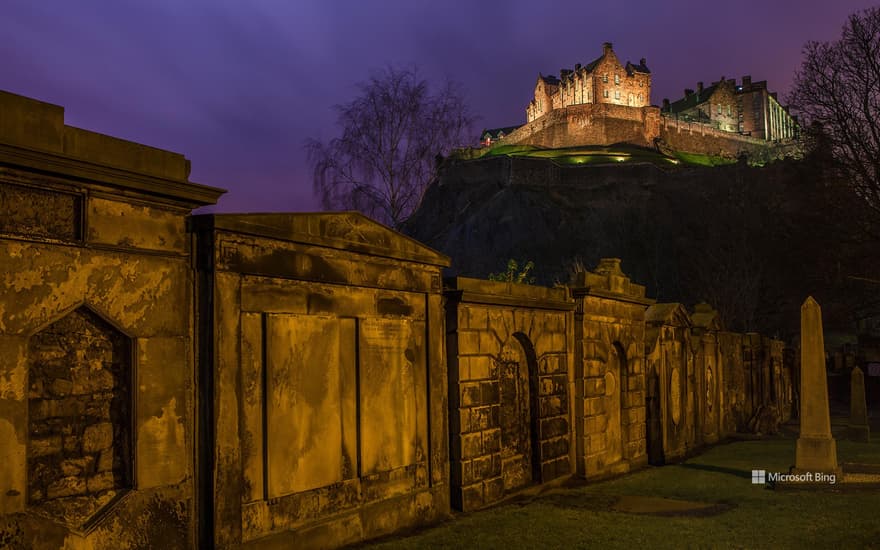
(31, 212)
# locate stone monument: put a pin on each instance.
(858, 409)
(816, 449)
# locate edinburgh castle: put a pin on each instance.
(607, 102)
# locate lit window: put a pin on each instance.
(604, 77)
(728, 110)
(718, 110)
(641, 83)
(617, 79)
(640, 97)
(605, 93)
(617, 94)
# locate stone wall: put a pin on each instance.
(590, 124)
(96, 386)
(509, 387)
(326, 407)
(79, 416)
(696, 137)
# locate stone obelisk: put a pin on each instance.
(816, 449)
(858, 407)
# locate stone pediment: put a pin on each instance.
(351, 231)
(706, 317)
(672, 314)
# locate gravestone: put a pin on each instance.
(816, 449)
(858, 409)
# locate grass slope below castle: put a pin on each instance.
(587, 155)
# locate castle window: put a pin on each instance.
(604, 77)
(718, 110)
(617, 79)
(605, 93)
(617, 94)
(640, 98)
(728, 110)
(641, 83)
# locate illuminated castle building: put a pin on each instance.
(607, 102)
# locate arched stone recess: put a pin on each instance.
(519, 413)
(79, 403)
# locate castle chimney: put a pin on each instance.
(747, 82)
(606, 47)
(699, 87)
(577, 66)
(688, 92)
(642, 62)
(665, 103)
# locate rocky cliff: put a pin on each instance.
(753, 241)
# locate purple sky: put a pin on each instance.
(237, 86)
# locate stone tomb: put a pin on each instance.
(323, 380)
(96, 340)
(609, 373)
(509, 387)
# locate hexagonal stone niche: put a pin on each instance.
(79, 456)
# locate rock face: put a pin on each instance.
(727, 234)
(816, 449)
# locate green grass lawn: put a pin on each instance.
(581, 515)
(585, 155)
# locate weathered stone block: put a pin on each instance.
(100, 482)
(597, 443)
(490, 342)
(98, 437)
(105, 460)
(71, 444)
(65, 487)
(45, 446)
(554, 448)
(482, 367)
(595, 405)
(594, 387)
(468, 445)
(494, 489)
(483, 467)
(553, 405)
(468, 342)
(77, 466)
(480, 419)
(472, 496)
(490, 392)
(553, 427)
(470, 394)
(492, 441)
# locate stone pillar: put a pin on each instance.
(858, 409)
(816, 449)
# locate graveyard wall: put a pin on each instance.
(508, 349)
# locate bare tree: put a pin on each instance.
(393, 136)
(837, 92)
